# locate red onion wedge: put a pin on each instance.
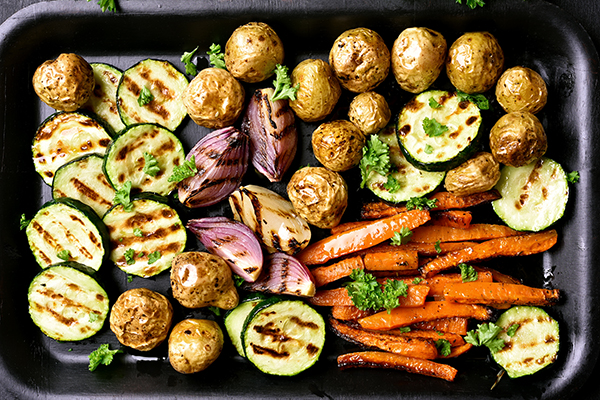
(233, 241)
(284, 274)
(222, 160)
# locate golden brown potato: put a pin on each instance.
(338, 145)
(475, 62)
(360, 59)
(475, 175)
(201, 279)
(418, 56)
(194, 344)
(64, 84)
(214, 98)
(517, 139)
(319, 195)
(141, 318)
(319, 90)
(252, 52)
(521, 89)
(370, 112)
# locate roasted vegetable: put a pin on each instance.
(478, 174)
(518, 138)
(338, 145)
(521, 89)
(284, 274)
(194, 344)
(370, 112)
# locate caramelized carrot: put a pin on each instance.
(350, 313)
(361, 237)
(436, 249)
(346, 226)
(334, 272)
(415, 297)
(475, 232)
(458, 351)
(380, 209)
(509, 246)
(497, 275)
(393, 260)
(454, 339)
(450, 325)
(405, 316)
(382, 359)
(452, 218)
(492, 293)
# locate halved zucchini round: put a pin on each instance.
(234, 320)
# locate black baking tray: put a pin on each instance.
(532, 33)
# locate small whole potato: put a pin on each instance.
(521, 89)
(338, 145)
(200, 279)
(478, 174)
(518, 138)
(252, 52)
(318, 92)
(475, 62)
(141, 318)
(66, 83)
(214, 98)
(194, 344)
(319, 195)
(360, 59)
(370, 112)
(418, 56)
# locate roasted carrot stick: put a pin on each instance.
(393, 260)
(346, 226)
(361, 237)
(350, 313)
(436, 249)
(458, 351)
(339, 270)
(475, 232)
(405, 316)
(497, 275)
(454, 339)
(492, 293)
(416, 296)
(397, 344)
(452, 218)
(455, 325)
(382, 359)
(380, 209)
(521, 245)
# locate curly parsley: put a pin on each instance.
(150, 165)
(376, 157)
(186, 59)
(472, 3)
(215, 57)
(401, 237)
(420, 203)
(109, 5)
(102, 355)
(283, 84)
(366, 293)
(467, 273)
(486, 335)
(433, 128)
(478, 99)
(123, 197)
(145, 96)
(183, 171)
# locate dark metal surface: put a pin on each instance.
(535, 33)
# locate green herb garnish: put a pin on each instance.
(154, 257)
(486, 335)
(93, 316)
(283, 84)
(443, 346)
(472, 3)
(123, 197)
(138, 232)
(467, 273)
(129, 256)
(186, 59)
(102, 355)
(433, 103)
(109, 5)
(366, 293)
(478, 99)
(183, 171)
(428, 149)
(145, 96)
(433, 128)
(512, 330)
(401, 237)
(64, 255)
(238, 280)
(150, 165)
(215, 57)
(420, 203)
(215, 310)
(437, 246)
(376, 157)
(573, 177)
(129, 278)
(417, 280)
(392, 185)
(23, 222)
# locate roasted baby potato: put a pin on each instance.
(360, 59)
(252, 52)
(370, 112)
(141, 318)
(418, 56)
(200, 279)
(476, 175)
(518, 138)
(475, 62)
(319, 195)
(521, 89)
(194, 344)
(214, 98)
(66, 83)
(318, 92)
(338, 145)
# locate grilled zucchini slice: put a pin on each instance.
(64, 136)
(408, 181)
(130, 156)
(83, 179)
(165, 84)
(103, 101)
(66, 303)
(534, 344)
(437, 131)
(534, 196)
(65, 229)
(145, 239)
(234, 320)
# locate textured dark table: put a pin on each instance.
(586, 12)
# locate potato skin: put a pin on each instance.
(141, 318)
(418, 57)
(476, 175)
(66, 83)
(214, 98)
(200, 279)
(252, 52)
(370, 112)
(194, 344)
(475, 62)
(319, 195)
(319, 90)
(518, 138)
(521, 89)
(360, 59)
(338, 145)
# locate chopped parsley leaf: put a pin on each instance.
(467, 273)
(129, 256)
(366, 293)
(186, 59)
(472, 3)
(433, 103)
(486, 335)
(185, 170)
(512, 330)
(23, 222)
(420, 203)
(444, 347)
(138, 232)
(150, 165)
(573, 177)
(215, 57)
(283, 84)
(401, 237)
(392, 185)
(478, 99)
(433, 128)
(102, 355)
(122, 197)
(154, 257)
(109, 5)
(428, 149)
(376, 157)
(64, 255)
(145, 96)
(437, 247)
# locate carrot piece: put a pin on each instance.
(339, 270)
(454, 339)
(416, 296)
(434, 250)
(361, 237)
(458, 351)
(350, 313)
(521, 245)
(382, 359)
(380, 209)
(456, 325)
(393, 260)
(452, 218)
(405, 316)
(397, 344)
(497, 275)
(477, 232)
(346, 226)
(492, 293)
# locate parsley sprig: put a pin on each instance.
(123, 197)
(467, 273)
(150, 165)
(109, 5)
(433, 128)
(366, 293)
(283, 84)
(472, 3)
(420, 203)
(185, 170)
(401, 237)
(102, 355)
(573, 177)
(215, 57)
(187, 60)
(376, 157)
(478, 99)
(486, 335)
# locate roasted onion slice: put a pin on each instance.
(284, 274)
